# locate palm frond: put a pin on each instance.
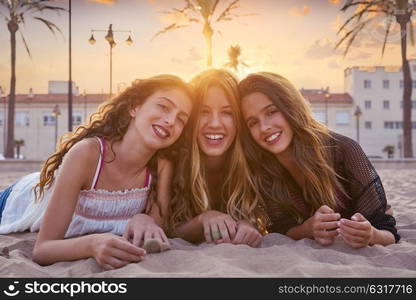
(169, 28)
(226, 14)
(206, 7)
(24, 43)
(51, 26)
(386, 35)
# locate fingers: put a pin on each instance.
(126, 256)
(358, 225)
(325, 209)
(328, 217)
(231, 226)
(138, 238)
(239, 236)
(224, 232)
(122, 244)
(326, 225)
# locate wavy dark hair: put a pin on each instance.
(111, 122)
(310, 148)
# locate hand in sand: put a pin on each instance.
(112, 251)
(142, 231)
(324, 225)
(218, 227)
(357, 232)
(247, 234)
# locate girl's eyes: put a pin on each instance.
(228, 112)
(163, 107)
(272, 112)
(251, 123)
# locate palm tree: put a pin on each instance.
(18, 144)
(368, 13)
(14, 12)
(234, 61)
(201, 11)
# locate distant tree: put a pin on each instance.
(368, 13)
(18, 144)
(201, 11)
(234, 61)
(389, 149)
(14, 13)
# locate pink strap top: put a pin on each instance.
(100, 210)
(101, 162)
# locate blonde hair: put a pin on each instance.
(111, 122)
(310, 148)
(240, 199)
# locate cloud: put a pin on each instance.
(321, 49)
(106, 2)
(193, 56)
(300, 11)
(333, 64)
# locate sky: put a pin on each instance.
(294, 38)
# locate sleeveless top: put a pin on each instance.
(96, 211)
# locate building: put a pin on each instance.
(35, 120)
(335, 110)
(378, 92)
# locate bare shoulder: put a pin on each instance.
(164, 165)
(85, 150)
(81, 160)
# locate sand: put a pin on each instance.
(278, 255)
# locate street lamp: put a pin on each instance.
(358, 114)
(2, 94)
(327, 96)
(110, 39)
(56, 112)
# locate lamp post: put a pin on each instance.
(358, 114)
(56, 112)
(4, 119)
(70, 68)
(327, 96)
(110, 39)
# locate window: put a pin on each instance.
(342, 118)
(22, 119)
(388, 125)
(413, 104)
(367, 124)
(386, 104)
(320, 116)
(48, 119)
(398, 125)
(76, 119)
(367, 84)
(386, 84)
(402, 84)
(367, 104)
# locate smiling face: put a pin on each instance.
(159, 121)
(267, 125)
(216, 128)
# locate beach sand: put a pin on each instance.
(278, 256)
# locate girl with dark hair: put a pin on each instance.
(315, 183)
(105, 185)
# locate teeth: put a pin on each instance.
(273, 137)
(161, 131)
(214, 136)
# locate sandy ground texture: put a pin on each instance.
(278, 256)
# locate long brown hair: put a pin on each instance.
(190, 198)
(310, 148)
(111, 122)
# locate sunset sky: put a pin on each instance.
(294, 38)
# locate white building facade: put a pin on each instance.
(378, 91)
